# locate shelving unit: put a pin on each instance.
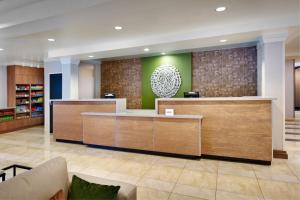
(25, 95)
(22, 101)
(29, 100)
(7, 114)
(37, 100)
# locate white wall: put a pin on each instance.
(86, 81)
(3, 86)
(289, 89)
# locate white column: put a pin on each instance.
(3, 86)
(97, 79)
(271, 74)
(70, 71)
(289, 89)
(50, 67)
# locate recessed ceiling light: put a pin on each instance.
(223, 40)
(118, 28)
(1, 49)
(221, 9)
(51, 39)
(91, 56)
(163, 53)
(146, 49)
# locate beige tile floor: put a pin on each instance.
(162, 177)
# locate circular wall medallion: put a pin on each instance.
(165, 81)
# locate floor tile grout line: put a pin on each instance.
(143, 176)
(178, 179)
(257, 179)
(293, 173)
(218, 165)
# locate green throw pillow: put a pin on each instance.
(84, 190)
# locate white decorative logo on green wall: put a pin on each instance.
(165, 81)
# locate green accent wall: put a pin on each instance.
(183, 62)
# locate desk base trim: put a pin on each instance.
(231, 159)
(69, 141)
(145, 152)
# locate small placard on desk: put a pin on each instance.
(169, 112)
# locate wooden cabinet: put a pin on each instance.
(18, 124)
(21, 75)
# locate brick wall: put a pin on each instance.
(228, 72)
(123, 77)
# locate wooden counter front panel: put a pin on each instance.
(99, 130)
(169, 135)
(239, 129)
(179, 136)
(135, 133)
(67, 119)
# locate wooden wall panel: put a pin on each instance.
(223, 73)
(239, 129)
(135, 133)
(123, 77)
(67, 119)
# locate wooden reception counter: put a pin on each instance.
(67, 121)
(232, 127)
(179, 134)
(235, 127)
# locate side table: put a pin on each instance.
(2, 175)
(14, 167)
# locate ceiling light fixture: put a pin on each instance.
(146, 49)
(118, 28)
(163, 53)
(91, 56)
(1, 49)
(51, 39)
(223, 41)
(221, 9)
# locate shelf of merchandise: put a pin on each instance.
(37, 100)
(7, 114)
(22, 101)
(29, 101)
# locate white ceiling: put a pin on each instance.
(86, 27)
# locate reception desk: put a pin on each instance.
(231, 127)
(179, 134)
(67, 121)
(234, 127)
